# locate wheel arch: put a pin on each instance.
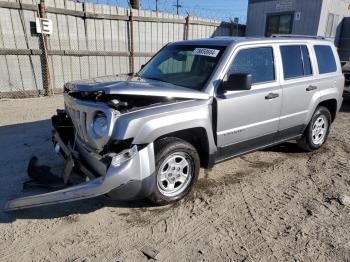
(198, 138)
(331, 105)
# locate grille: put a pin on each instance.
(82, 114)
(79, 121)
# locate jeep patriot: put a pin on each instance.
(194, 104)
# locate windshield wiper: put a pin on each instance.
(153, 78)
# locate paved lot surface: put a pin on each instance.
(279, 204)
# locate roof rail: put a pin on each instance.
(299, 36)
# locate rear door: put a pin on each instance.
(299, 87)
(249, 119)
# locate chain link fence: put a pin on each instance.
(87, 40)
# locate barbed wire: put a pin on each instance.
(169, 6)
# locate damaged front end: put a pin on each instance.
(116, 168)
(106, 135)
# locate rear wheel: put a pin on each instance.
(177, 169)
(317, 131)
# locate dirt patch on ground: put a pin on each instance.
(272, 205)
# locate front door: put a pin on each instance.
(249, 119)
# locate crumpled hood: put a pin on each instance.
(129, 85)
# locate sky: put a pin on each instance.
(212, 9)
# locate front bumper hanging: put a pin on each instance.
(131, 179)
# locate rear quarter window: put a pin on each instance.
(325, 59)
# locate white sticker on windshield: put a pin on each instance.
(206, 52)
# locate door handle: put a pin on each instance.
(271, 96)
(311, 87)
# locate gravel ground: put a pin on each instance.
(280, 204)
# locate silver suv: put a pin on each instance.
(194, 104)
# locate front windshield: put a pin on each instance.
(183, 65)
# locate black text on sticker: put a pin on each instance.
(206, 52)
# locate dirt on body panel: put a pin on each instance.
(271, 205)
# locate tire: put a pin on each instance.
(177, 169)
(310, 140)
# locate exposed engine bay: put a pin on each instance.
(106, 135)
(124, 103)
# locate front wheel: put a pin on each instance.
(177, 169)
(317, 131)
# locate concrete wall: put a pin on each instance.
(259, 9)
(88, 40)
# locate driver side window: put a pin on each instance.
(259, 62)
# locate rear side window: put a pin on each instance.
(325, 59)
(258, 62)
(296, 61)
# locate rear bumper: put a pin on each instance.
(130, 180)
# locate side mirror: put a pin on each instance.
(142, 66)
(235, 82)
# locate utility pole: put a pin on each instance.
(45, 56)
(157, 6)
(135, 4)
(178, 6)
(236, 21)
